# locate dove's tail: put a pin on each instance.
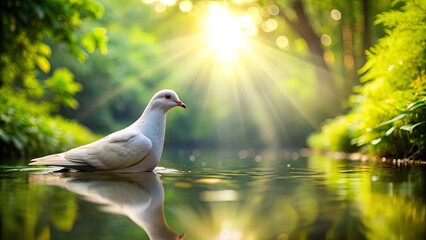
(54, 160)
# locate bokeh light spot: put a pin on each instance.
(326, 40)
(270, 25)
(160, 7)
(185, 6)
(336, 14)
(282, 42)
(273, 10)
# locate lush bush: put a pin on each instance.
(336, 135)
(388, 117)
(27, 130)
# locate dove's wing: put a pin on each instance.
(119, 150)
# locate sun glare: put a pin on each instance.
(249, 89)
(225, 33)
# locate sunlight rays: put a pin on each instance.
(291, 67)
(246, 97)
(244, 88)
(250, 96)
(135, 81)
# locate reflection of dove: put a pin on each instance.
(139, 197)
(133, 149)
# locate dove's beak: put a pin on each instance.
(181, 104)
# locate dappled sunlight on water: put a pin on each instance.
(210, 195)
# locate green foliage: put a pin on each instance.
(27, 126)
(27, 129)
(95, 40)
(25, 26)
(63, 87)
(389, 111)
(336, 135)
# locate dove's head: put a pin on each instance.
(167, 99)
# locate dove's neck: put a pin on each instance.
(152, 124)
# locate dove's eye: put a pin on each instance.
(168, 96)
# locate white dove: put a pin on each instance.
(137, 148)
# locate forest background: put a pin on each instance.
(253, 73)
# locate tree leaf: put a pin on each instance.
(390, 131)
(44, 50)
(416, 105)
(43, 64)
(376, 141)
(88, 42)
(399, 117)
(409, 128)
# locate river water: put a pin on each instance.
(215, 195)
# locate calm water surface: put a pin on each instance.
(246, 195)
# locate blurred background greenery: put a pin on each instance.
(253, 73)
